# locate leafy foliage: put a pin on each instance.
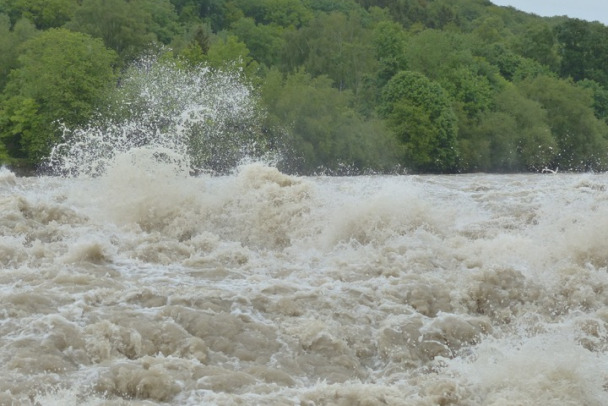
(61, 77)
(419, 112)
(430, 85)
(323, 130)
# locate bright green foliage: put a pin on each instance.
(490, 29)
(580, 136)
(21, 125)
(120, 24)
(484, 65)
(230, 54)
(10, 41)
(162, 19)
(192, 47)
(406, 12)
(472, 92)
(538, 43)
(437, 54)
(442, 14)
(600, 98)
(390, 44)
(217, 14)
(433, 52)
(62, 76)
(420, 114)
(511, 66)
(327, 6)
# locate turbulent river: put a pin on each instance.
(144, 287)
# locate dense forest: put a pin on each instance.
(430, 86)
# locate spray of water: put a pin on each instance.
(194, 119)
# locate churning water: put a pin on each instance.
(144, 285)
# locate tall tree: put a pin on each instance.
(322, 131)
(390, 45)
(43, 13)
(10, 42)
(538, 42)
(581, 137)
(420, 114)
(61, 77)
(339, 46)
(128, 27)
(264, 41)
(286, 13)
(514, 136)
(584, 50)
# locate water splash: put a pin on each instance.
(195, 119)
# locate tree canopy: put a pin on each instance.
(61, 77)
(438, 86)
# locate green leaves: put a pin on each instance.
(584, 50)
(43, 13)
(128, 27)
(581, 137)
(449, 85)
(321, 128)
(419, 112)
(62, 76)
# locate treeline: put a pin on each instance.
(438, 86)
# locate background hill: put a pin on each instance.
(346, 86)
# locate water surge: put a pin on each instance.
(144, 278)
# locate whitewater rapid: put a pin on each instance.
(145, 286)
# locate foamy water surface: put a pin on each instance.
(146, 286)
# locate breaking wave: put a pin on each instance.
(195, 118)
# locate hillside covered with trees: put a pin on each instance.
(432, 86)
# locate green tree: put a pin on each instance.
(580, 135)
(321, 130)
(584, 50)
(336, 45)
(10, 41)
(21, 126)
(128, 27)
(61, 77)
(162, 20)
(285, 13)
(442, 14)
(405, 12)
(390, 44)
(420, 114)
(264, 41)
(471, 92)
(514, 136)
(490, 29)
(217, 14)
(44, 14)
